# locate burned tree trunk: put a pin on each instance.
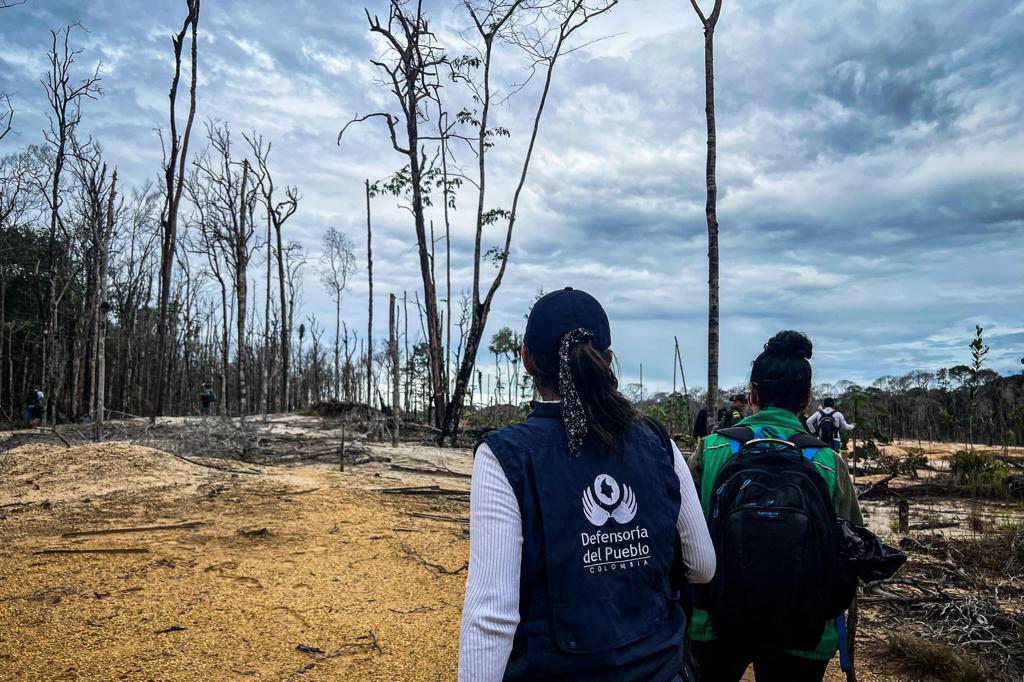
(102, 309)
(369, 305)
(174, 177)
(241, 244)
(711, 206)
(395, 389)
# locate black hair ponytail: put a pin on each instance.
(608, 413)
(782, 372)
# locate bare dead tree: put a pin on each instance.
(101, 310)
(278, 213)
(544, 38)
(174, 177)
(7, 117)
(337, 263)
(411, 66)
(65, 99)
(233, 202)
(209, 241)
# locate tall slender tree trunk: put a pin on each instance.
(337, 346)
(369, 305)
(393, 348)
(241, 291)
(286, 321)
(711, 206)
(267, 343)
(101, 310)
(173, 175)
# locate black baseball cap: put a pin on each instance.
(562, 311)
(739, 398)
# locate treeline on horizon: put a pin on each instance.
(952, 404)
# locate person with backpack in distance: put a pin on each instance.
(35, 405)
(206, 398)
(584, 523)
(771, 493)
(827, 423)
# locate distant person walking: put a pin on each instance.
(206, 398)
(827, 423)
(35, 405)
(771, 494)
(584, 523)
(700, 425)
(737, 410)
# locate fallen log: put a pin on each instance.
(878, 487)
(132, 529)
(423, 562)
(438, 517)
(96, 550)
(424, 490)
(934, 525)
(902, 599)
(430, 472)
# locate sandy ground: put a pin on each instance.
(284, 573)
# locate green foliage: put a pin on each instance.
(867, 450)
(907, 464)
(672, 410)
(981, 471)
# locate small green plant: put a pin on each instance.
(867, 450)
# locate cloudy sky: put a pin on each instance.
(871, 162)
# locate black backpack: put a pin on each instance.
(826, 428)
(781, 571)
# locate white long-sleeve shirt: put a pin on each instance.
(490, 614)
(841, 423)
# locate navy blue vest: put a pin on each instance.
(595, 600)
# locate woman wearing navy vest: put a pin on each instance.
(582, 524)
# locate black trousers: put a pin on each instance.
(724, 663)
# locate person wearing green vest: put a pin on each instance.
(780, 388)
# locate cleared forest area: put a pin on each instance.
(126, 561)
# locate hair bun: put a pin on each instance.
(790, 343)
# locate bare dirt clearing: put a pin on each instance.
(126, 562)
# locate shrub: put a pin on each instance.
(980, 471)
(907, 464)
(866, 450)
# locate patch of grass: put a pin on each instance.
(921, 659)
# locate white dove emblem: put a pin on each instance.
(608, 491)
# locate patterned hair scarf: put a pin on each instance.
(573, 414)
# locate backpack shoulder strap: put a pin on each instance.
(808, 444)
(737, 436)
(662, 433)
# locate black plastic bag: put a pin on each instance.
(869, 558)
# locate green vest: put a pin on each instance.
(716, 452)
